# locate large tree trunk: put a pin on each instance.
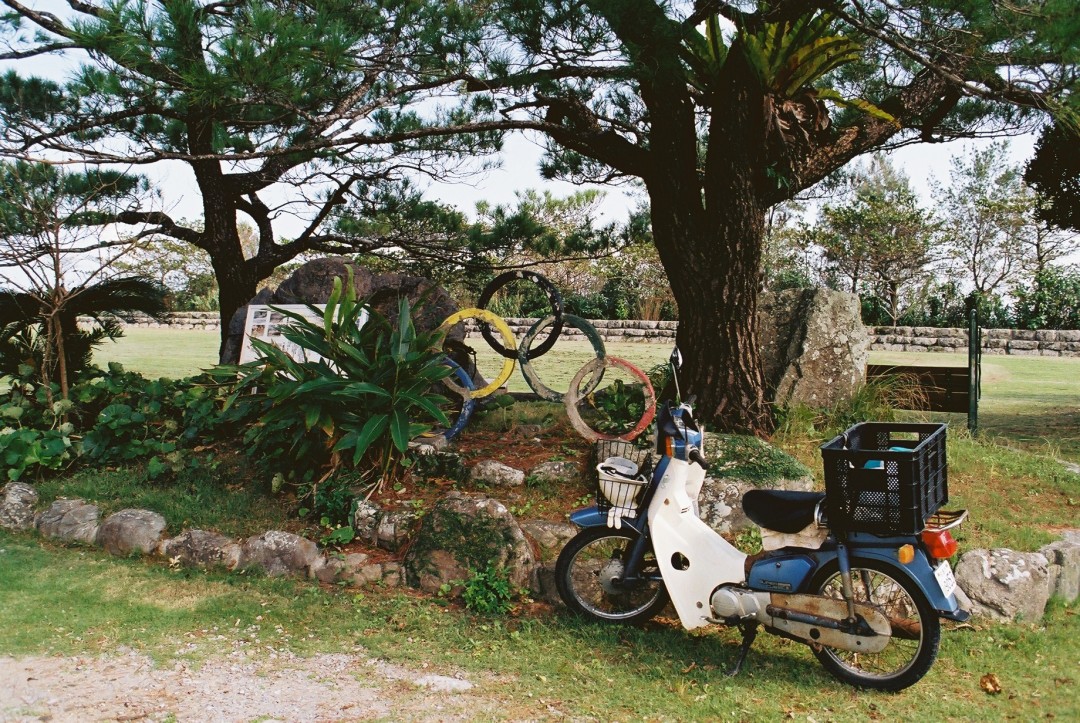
(713, 261)
(709, 229)
(238, 282)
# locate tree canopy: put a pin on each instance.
(1054, 172)
(721, 109)
(281, 110)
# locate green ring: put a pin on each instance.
(531, 378)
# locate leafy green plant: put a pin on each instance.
(617, 406)
(488, 591)
(364, 390)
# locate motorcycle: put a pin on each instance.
(860, 573)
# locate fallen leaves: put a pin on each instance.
(990, 684)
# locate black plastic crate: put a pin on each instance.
(885, 477)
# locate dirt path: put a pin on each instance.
(127, 686)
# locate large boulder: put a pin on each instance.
(1004, 584)
(494, 473)
(17, 500)
(1064, 569)
(814, 346)
(71, 520)
(131, 531)
(464, 535)
(281, 553)
(313, 282)
(738, 464)
(201, 548)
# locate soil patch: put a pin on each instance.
(127, 686)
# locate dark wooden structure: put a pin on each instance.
(946, 389)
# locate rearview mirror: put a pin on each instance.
(676, 359)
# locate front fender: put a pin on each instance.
(589, 517)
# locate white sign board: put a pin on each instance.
(265, 323)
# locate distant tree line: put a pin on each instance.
(987, 242)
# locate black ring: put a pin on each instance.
(553, 296)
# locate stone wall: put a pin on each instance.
(1017, 342)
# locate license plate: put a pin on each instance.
(944, 576)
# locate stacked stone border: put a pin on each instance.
(1015, 342)
(1000, 584)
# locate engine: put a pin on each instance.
(731, 602)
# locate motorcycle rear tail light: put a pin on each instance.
(939, 543)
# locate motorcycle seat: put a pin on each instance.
(781, 510)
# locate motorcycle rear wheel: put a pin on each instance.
(586, 574)
(916, 630)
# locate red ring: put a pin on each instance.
(572, 396)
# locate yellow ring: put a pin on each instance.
(509, 343)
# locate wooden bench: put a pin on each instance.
(945, 389)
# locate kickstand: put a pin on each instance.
(749, 632)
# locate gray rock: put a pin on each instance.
(1064, 566)
(546, 588)
(337, 567)
(392, 574)
(1005, 585)
(550, 536)
(17, 500)
(129, 531)
(329, 569)
(738, 464)
(395, 528)
(366, 520)
(200, 548)
(814, 347)
(280, 553)
(70, 521)
(496, 474)
(466, 534)
(556, 472)
(720, 505)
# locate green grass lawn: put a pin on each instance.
(1033, 402)
(162, 352)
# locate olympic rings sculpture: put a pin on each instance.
(468, 404)
(532, 379)
(554, 298)
(525, 353)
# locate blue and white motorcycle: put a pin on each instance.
(860, 573)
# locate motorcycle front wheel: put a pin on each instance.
(588, 573)
(916, 630)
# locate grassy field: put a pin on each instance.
(63, 602)
(1033, 402)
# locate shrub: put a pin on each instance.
(488, 591)
(110, 416)
(363, 394)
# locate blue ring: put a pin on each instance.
(469, 403)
